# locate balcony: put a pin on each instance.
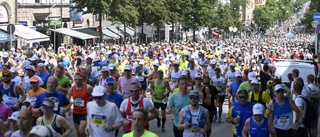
(258, 3)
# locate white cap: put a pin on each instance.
(127, 67)
(98, 91)
(254, 81)
(176, 63)
(232, 65)
(184, 73)
(5, 54)
(213, 62)
(14, 116)
(198, 75)
(156, 64)
(258, 109)
(42, 131)
(33, 58)
(141, 62)
(105, 68)
(238, 74)
(111, 66)
(278, 86)
(252, 76)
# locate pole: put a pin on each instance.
(54, 37)
(11, 37)
(316, 41)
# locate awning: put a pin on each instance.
(110, 33)
(41, 16)
(128, 30)
(5, 37)
(87, 31)
(75, 34)
(28, 34)
(115, 30)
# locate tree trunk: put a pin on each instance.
(100, 27)
(158, 31)
(194, 33)
(173, 35)
(124, 34)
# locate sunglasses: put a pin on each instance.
(6, 76)
(280, 90)
(77, 79)
(96, 98)
(258, 115)
(126, 70)
(193, 97)
(33, 83)
(137, 90)
(160, 72)
(198, 79)
(242, 97)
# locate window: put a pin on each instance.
(37, 1)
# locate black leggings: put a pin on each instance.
(177, 133)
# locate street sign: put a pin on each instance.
(316, 16)
(11, 28)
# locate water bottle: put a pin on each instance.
(237, 124)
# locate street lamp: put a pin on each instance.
(314, 24)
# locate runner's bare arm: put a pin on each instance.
(69, 93)
(272, 130)
(18, 91)
(153, 114)
(65, 125)
(207, 100)
(246, 128)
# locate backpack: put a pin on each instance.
(310, 114)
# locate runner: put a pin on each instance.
(161, 91)
(81, 93)
(12, 124)
(140, 118)
(11, 91)
(103, 116)
(193, 118)
(124, 81)
(133, 102)
(219, 83)
(58, 123)
(24, 123)
(176, 102)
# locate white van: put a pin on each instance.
(305, 67)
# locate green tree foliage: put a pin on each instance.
(123, 11)
(308, 17)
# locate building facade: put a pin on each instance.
(7, 11)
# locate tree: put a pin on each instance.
(308, 17)
(197, 13)
(123, 11)
(96, 7)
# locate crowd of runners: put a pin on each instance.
(104, 87)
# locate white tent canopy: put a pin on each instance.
(75, 34)
(110, 33)
(28, 34)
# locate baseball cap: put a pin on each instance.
(254, 81)
(156, 64)
(242, 64)
(5, 54)
(47, 103)
(42, 131)
(160, 70)
(213, 62)
(141, 62)
(98, 91)
(105, 68)
(34, 79)
(277, 87)
(109, 80)
(258, 109)
(198, 75)
(127, 67)
(184, 73)
(232, 65)
(111, 66)
(41, 65)
(176, 63)
(30, 67)
(14, 116)
(238, 74)
(194, 93)
(33, 58)
(252, 76)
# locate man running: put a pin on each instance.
(81, 93)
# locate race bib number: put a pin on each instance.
(195, 129)
(56, 106)
(283, 121)
(141, 78)
(98, 119)
(79, 102)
